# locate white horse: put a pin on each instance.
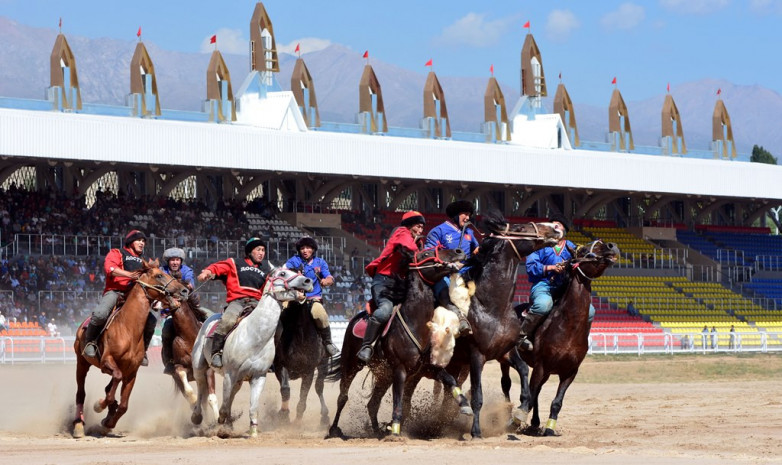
(249, 349)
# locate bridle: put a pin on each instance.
(429, 262)
(157, 287)
(273, 280)
(510, 236)
(590, 257)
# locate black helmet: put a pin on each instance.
(252, 243)
(134, 235)
(560, 219)
(308, 241)
(459, 206)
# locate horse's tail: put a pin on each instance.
(333, 367)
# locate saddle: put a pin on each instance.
(360, 328)
(247, 308)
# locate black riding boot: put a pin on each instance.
(325, 337)
(149, 331)
(218, 341)
(370, 336)
(91, 334)
(528, 327)
(444, 299)
(167, 349)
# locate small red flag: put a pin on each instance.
(491, 69)
(668, 88)
(138, 34)
(429, 63)
(60, 23)
(614, 80)
(560, 76)
(366, 54)
(719, 91)
(213, 39)
(526, 25)
(297, 48)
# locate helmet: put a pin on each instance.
(252, 243)
(459, 206)
(308, 241)
(173, 252)
(412, 218)
(134, 235)
(560, 219)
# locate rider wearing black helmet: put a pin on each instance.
(315, 268)
(244, 280)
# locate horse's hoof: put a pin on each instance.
(253, 431)
(324, 420)
(394, 438)
(196, 419)
(221, 419)
(98, 406)
(529, 430)
(78, 430)
(519, 416)
(465, 410)
(335, 432)
(550, 432)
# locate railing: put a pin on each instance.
(692, 343)
(659, 258)
(36, 349)
(650, 304)
(730, 256)
(768, 263)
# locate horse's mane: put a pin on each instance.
(493, 222)
(199, 313)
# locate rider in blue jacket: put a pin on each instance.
(544, 268)
(174, 265)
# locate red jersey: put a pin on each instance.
(124, 259)
(390, 263)
(242, 278)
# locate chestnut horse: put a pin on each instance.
(562, 340)
(406, 348)
(121, 347)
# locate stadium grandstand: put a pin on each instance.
(698, 253)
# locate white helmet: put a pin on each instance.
(173, 252)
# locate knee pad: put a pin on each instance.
(319, 314)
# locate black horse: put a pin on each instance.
(562, 340)
(406, 348)
(299, 352)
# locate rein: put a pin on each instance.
(157, 287)
(437, 262)
(510, 236)
(589, 258)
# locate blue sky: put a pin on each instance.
(645, 44)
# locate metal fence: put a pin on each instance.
(691, 343)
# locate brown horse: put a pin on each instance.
(186, 323)
(561, 342)
(121, 347)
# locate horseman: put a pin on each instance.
(174, 265)
(123, 268)
(244, 280)
(544, 270)
(383, 269)
(315, 268)
(454, 234)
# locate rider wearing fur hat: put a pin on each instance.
(174, 265)
(244, 280)
(123, 268)
(543, 270)
(449, 235)
(315, 268)
(382, 270)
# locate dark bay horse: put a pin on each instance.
(299, 352)
(187, 321)
(495, 324)
(121, 346)
(562, 340)
(407, 347)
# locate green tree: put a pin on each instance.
(761, 155)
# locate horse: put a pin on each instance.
(407, 346)
(249, 349)
(187, 321)
(121, 347)
(299, 352)
(562, 340)
(495, 324)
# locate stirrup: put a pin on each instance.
(525, 344)
(145, 360)
(331, 349)
(217, 359)
(169, 369)
(90, 350)
(464, 326)
(365, 354)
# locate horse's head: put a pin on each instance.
(592, 259)
(284, 284)
(524, 237)
(435, 263)
(160, 286)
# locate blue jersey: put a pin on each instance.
(316, 269)
(537, 261)
(450, 236)
(187, 273)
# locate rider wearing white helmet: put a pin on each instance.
(174, 265)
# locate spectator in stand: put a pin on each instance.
(52, 328)
(3, 324)
(714, 337)
(732, 345)
(631, 310)
(705, 336)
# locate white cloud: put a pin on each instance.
(560, 24)
(308, 44)
(475, 31)
(628, 16)
(766, 6)
(697, 7)
(228, 41)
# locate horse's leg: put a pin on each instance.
(349, 371)
(505, 381)
(199, 373)
(437, 390)
(319, 382)
(180, 378)
(306, 384)
(556, 404)
(407, 396)
(400, 375)
(476, 390)
(519, 415)
(212, 399)
(283, 377)
(82, 367)
(127, 388)
(230, 388)
(382, 383)
(450, 384)
(256, 389)
(536, 382)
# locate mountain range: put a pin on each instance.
(104, 78)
